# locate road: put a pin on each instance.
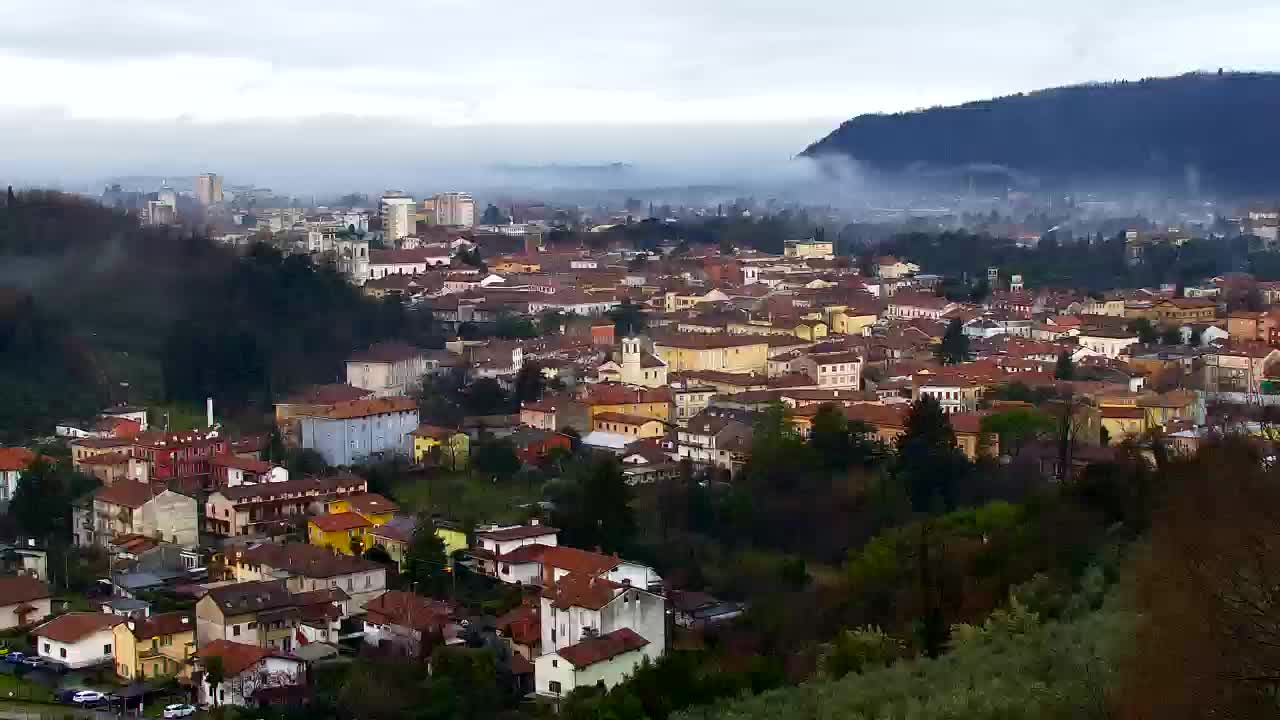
(33, 711)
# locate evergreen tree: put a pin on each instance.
(426, 565)
(954, 347)
(929, 462)
(829, 436)
(593, 505)
(1066, 368)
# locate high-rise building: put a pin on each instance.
(209, 189)
(399, 218)
(456, 209)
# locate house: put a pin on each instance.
(252, 675)
(1239, 367)
(522, 630)
(532, 445)
(1247, 326)
(371, 506)
(83, 448)
(832, 370)
(26, 556)
(546, 565)
(342, 532)
(133, 507)
(77, 639)
(179, 455)
(233, 470)
(306, 567)
(441, 446)
(406, 262)
(717, 437)
(700, 610)
(1107, 343)
(353, 431)
(395, 536)
(811, 248)
(131, 413)
(1176, 311)
(410, 624)
(254, 510)
(635, 366)
(613, 397)
(26, 600)
(909, 306)
(386, 369)
(713, 351)
(555, 412)
(635, 427)
(493, 542)
(113, 467)
(154, 647)
(599, 660)
(310, 401)
(891, 268)
(13, 462)
(1121, 423)
(262, 613)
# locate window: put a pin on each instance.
(46, 648)
(62, 652)
(554, 685)
(106, 649)
(253, 625)
(555, 663)
(235, 631)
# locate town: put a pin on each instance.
(594, 451)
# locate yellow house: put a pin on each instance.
(339, 531)
(812, 330)
(616, 398)
(636, 427)
(450, 448)
(514, 265)
(849, 321)
(723, 352)
(1122, 422)
(158, 646)
(373, 507)
(1164, 408)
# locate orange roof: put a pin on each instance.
(365, 408)
(597, 649)
(236, 657)
(371, 503)
(582, 590)
(15, 458)
(73, 626)
(340, 522)
(129, 493)
(578, 561)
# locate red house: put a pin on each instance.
(533, 444)
(602, 334)
(178, 454)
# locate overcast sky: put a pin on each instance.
(313, 93)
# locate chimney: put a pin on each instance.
(533, 521)
(186, 620)
(208, 409)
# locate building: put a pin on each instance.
(342, 533)
(373, 507)
(1107, 343)
(441, 446)
(77, 639)
(409, 262)
(1239, 367)
(598, 661)
(179, 455)
(398, 217)
(811, 248)
(264, 614)
(721, 352)
(1246, 326)
(635, 366)
(350, 432)
(455, 209)
(252, 675)
(308, 567)
(113, 467)
(157, 646)
(208, 188)
(408, 623)
(263, 509)
(910, 306)
(129, 507)
(26, 600)
(389, 368)
(1177, 311)
(716, 437)
(634, 427)
(494, 542)
(13, 461)
(832, 370)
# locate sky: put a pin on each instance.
(321, 94)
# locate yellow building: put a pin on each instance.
(514, 265)
(396, 536)
(725, 353)
(635, 427)
(811, 330)
(809, 249)
(155, 647)
(339, 532)
(1122, 422)
(614, 398)
(448, 448)
(371, 506)
(844, 320)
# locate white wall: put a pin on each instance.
(89, 650)
(9, 619)
(552, 668)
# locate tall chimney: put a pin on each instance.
(208, 409)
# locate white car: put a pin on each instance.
(88, 697)
(179, 711)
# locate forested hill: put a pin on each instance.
(1214, 131)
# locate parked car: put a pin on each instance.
(39, 663)
(88, 697)
(14, 657)
(179, 710)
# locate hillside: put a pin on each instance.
(1216, 132)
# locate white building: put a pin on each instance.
(23, 600)
(399, 216)
(252, 675)
(605, 660)
(406, 262)
(456, 209)
(1106, 342)
(208, 189)
(77, 639)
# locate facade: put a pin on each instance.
(604, 660)
(343, 532)
(157, 646)
(1106, 343)
(414, 261)
(634, 427)
(447, 448)
(804, 249)
(257, 510)
(263, 614)
(307, 567)
(77, 639)
(398, 217)
(455, 209)
(683, 352)
(13, 461)
(841, 370)
(252, 675)
(129, 507)
(385, 369)
(25, 601)
(409, 623)
(349, 432)
(208, 189)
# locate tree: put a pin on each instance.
(829, 436)
(379, 554)
(628, 319)
(929, 462)
(495, 458)
(859, 649)
(954, 347)
(1016, 427)
(530, 383)
(593, 505)
(492, 215)
(215, 674)
(41, 506)
(1066, 367)
(551, 322)
(486, 397)
(426, 564)
(1146, 331)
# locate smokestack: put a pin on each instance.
(208, 409)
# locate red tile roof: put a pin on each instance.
(581, 590)
(15, 458)
(257, 467)
(21, 589)
(366, 408)
(170, 623)
(326, 395)
(236, 657)
(340, 522)
(128, 493)
(371, 503)
(519, 532)
(582, 561)
(598, 649)
(396, 607)
(73, 626)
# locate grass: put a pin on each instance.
(17, 689)
(458, 496)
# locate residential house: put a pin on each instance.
(1178, 311)
(493, 542)
(522, 629)
(154, 647)
(252, 675)
(133, 507)
(611, 397)
(804, 249)
(308, 567)
(261, 613)
(1238, 367)
(690, 397)
(371, 506)
(1122, 422)
(832, 370)
(909, 306)
(77, 639)
(13, 462)
(396, 535)
(385, 369)
(598, 661)
(1247, 326)
(343, 532)
(717, 437)
(113, 467)
(635, 427)
(555, 413)
(82, 448)
(891, 268)
(254, 510)
(441, 446)
(233, 470)
(310, 401)
(181, 456)
(353, 431)
(1105, 342)
(25, 600)
(532, 445)
(406, 262)
(408, 623)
